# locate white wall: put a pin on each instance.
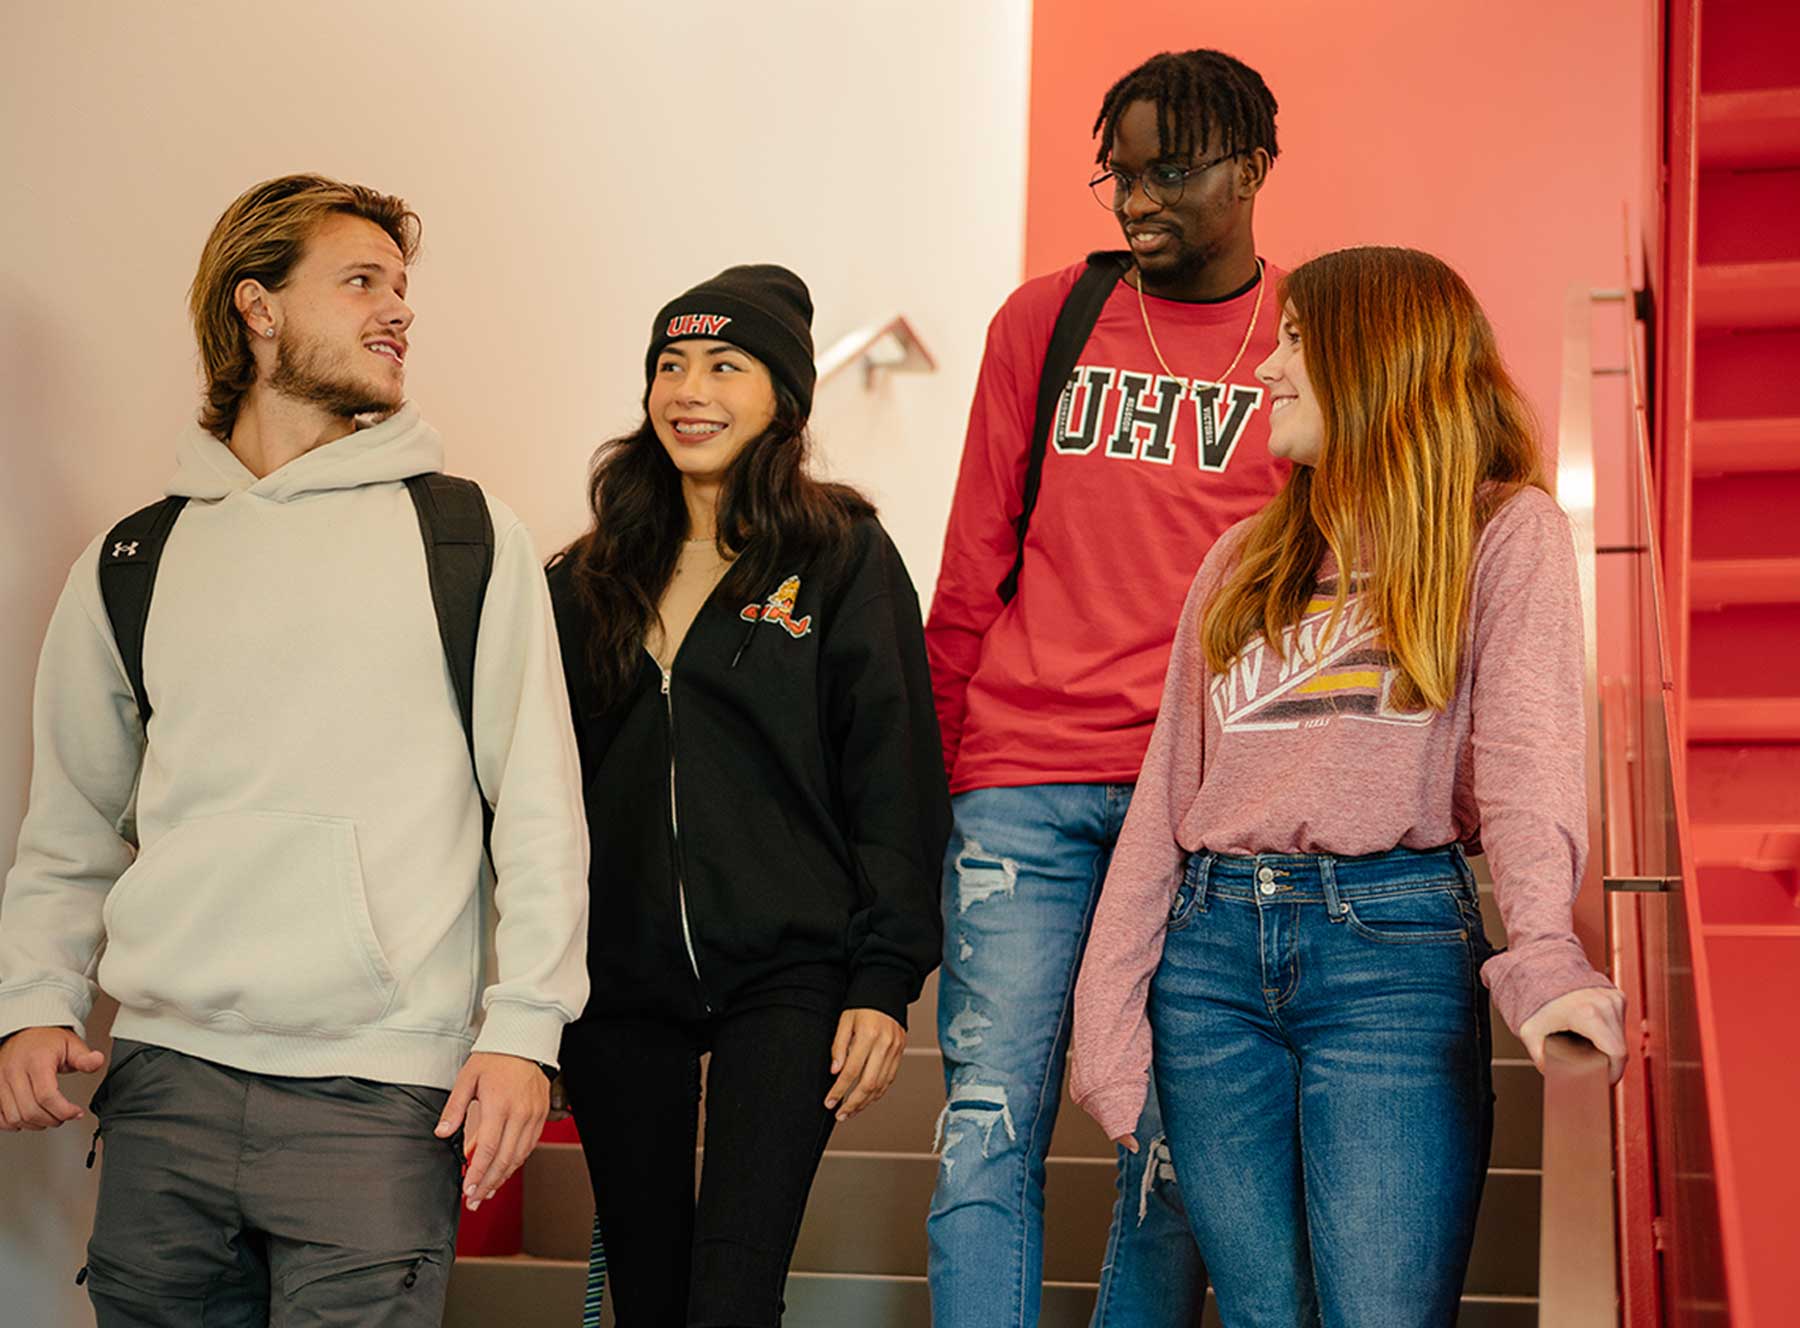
(575, 166)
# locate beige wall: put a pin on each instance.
(575, 166)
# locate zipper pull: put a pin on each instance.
(665, 682)
(93, 1148)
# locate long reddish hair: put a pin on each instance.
(1426, 434)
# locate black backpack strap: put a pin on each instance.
(459, 555)
(1074, 324)
(128, 562)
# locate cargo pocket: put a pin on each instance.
(257, 918)
(408, 1288)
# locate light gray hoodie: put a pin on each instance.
(286, 874)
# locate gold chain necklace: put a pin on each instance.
(1255, 313)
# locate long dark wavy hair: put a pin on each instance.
(772, 515)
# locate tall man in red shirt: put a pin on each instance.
(1046, 699)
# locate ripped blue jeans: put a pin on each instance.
(1021, 877)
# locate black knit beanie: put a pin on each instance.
(762, 308)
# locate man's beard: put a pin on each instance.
(303, 372)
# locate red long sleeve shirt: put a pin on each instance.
(1143, 473)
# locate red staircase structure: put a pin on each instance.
(1725, 272)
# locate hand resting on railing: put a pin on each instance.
(1595, 1013)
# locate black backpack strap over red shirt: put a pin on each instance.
(1074, 324)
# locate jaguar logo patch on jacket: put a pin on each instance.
(779, 609)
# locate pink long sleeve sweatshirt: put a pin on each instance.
(1304, 753)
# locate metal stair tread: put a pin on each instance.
(1759, 127)
(1717, 582)
(1752, 444)
(1744, 295)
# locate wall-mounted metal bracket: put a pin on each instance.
(1644, 884)
(890, 347)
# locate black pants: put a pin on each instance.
(230, 1199)
(634, 1085)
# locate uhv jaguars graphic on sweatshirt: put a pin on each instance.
(285, 874)
(1322, 673)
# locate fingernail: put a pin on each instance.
(474, 1204)
(843, 1116)
(443, 1128)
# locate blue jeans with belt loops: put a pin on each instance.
(1323, 1047)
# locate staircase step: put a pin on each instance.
(1745, 375)
(499, 1292)
(1759, 128)
(1744, 806)
(1747, 295)
(508, 1290)
(867, 1215)
(905, 1121)
(1743, 446)
(1766, 847)
(1743, 785)
(559, 1203)
(1773, 719)
(1746, 897)
(1716, 582)
(1744, 650)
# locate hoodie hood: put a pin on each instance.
(399, 447)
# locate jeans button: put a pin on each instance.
(1268, 887)
(1265, 874)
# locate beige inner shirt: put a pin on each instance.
(698, 572)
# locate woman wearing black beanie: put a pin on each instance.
(766, 802)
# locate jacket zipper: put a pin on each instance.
(687, 934)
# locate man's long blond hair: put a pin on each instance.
(1426, 434)
(263, 235)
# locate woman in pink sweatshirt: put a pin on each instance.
(1290, 925)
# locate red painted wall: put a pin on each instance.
(1506, 138)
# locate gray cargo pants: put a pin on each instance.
(229, 1199)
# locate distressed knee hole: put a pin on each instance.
(966, 1028)
(980, 876)
(975, 1110)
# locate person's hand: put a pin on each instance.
(505, 1100)
(865, 1056)
(1596, 1013)
(30, 1060)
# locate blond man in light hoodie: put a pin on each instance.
(281, 876)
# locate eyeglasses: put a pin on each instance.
(1163, 183)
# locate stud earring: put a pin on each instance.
(268, 331)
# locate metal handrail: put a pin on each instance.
(893, 346)
(1578, 1246)
(1577, 1278)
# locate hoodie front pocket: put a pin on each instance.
(256, 918)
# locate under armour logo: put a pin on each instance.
(123, 550)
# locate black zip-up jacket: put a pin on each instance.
(806, 828)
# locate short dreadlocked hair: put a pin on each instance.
(1201, 97)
